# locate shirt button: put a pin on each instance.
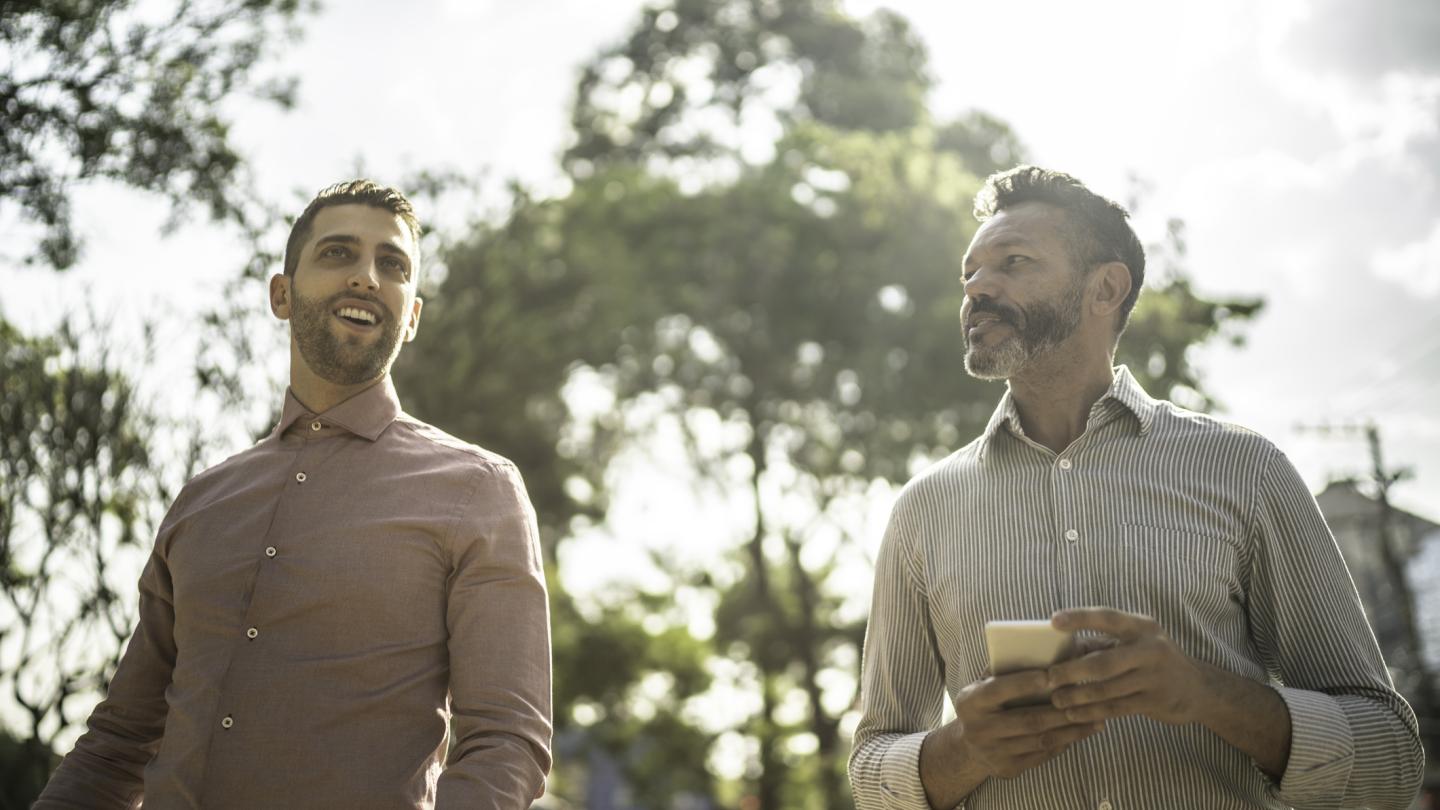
(1065, 464)
(316, 425)
(300, 476)
(1072, 535)
(227, 722)
(252, 633)
(1105, 805)
(270, 551)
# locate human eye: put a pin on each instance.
(334, 252)
(1015, 258)
(393, 264)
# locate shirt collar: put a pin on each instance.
(366, 413)
(1124, 390)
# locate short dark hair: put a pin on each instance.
(351, 192)
(1100, 228)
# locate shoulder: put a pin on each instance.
(1181, 426)
(450, 449)
(940, 480)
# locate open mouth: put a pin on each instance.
(357, 316)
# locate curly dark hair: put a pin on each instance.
(1099, 228)
(351, 192)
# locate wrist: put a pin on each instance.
(949, 769)
(1207, 697)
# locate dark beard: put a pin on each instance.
(338, 360)
(1046, 326)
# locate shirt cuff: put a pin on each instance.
(900, 774)
(1322, 749)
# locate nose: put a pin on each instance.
(365, 277)
(980, 284)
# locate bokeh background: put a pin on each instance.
(693, 266)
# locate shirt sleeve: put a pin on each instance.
(107, 766)
(902, 683)
(1353, 739)
(499, 624)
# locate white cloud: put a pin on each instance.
(1415, 266)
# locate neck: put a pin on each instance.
(321, 397)
(1054, 394)
(318, 394)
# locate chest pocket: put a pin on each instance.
(1167, 573)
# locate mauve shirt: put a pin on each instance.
(318, 612)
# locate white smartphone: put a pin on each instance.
(1021, 645)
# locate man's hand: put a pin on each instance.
(1143, 672)
(986, 739)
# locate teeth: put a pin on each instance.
(356, 313)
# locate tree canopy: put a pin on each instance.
(131, 93)
(758, 253)
(794, 316)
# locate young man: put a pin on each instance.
(321, 610)
(1230, 664)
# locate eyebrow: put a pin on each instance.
(348, 239)
(1001, 244)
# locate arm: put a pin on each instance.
(499, 626)
(1333, 729)
(1352, 735)
(106, 768)
(903, 757)
(902, 686)
(1145, 673)
(985, 739)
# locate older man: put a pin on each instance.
(1230, 664)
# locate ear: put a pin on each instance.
(1110, 284)
(280, 296)
(413, 325)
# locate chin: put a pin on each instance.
(996, 363)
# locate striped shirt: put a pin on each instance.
(1155, 510)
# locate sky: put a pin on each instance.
(1299, 140)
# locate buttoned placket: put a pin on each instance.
(301, 472)
(1070, 542)
(1069, 473)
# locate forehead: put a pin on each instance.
(367, 223)
(1036, 225)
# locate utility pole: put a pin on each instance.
(1383, 478)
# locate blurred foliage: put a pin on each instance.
(1171, 320)
(128, 92)
(690, 76)
(21, 784)
(760, 247)
(76, 487)
(795, 315)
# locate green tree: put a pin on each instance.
(132, 94)
(1171, 319)
(691, 78)
(795, 314)
(117, 90)
(76, 492)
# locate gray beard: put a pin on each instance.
(1045, 328)
(338, 360)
